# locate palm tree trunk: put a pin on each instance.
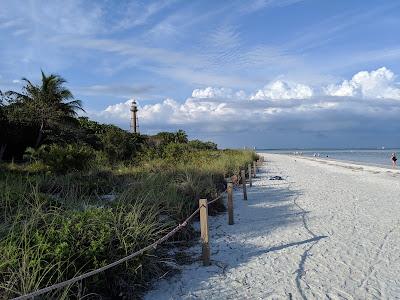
(2, 150)
(39, 138)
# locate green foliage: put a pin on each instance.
(44, 112)
(91, 126)
(55, 245)
(116, 144)
(63, 158)
(181, 137)
(200, 145)
(44, 106)
(176, 152)
(164, 138)
(119, 144)
(33, 154)
(68, 158)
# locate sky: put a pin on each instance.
(262, 73)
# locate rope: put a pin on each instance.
(219, 197)
(115, 263)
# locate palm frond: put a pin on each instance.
(27, 81)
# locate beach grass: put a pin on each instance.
(54, 227)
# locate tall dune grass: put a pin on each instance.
(53, 227)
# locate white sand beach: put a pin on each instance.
(329, 230)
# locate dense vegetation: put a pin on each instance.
(76, 195)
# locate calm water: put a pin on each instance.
(371, 157)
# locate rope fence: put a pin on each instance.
(202, 209)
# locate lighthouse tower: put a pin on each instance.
(134, 118)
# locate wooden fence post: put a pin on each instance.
(243, 173)
(230, 204)
(204, 231)
(249, 170)
(255, 169)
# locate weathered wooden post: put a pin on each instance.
(249, 170)
(254, 169)
(230, 204)
(204, 231)
(243, 175)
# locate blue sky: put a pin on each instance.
(265, 73)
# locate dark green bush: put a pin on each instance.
(177, 153)
(63, 158)
(119, 145)
(200, 145)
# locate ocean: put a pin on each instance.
(369, 157)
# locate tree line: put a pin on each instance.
(41, 122)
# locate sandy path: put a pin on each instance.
(328, 231)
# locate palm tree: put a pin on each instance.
(181, 137)
(46, 105)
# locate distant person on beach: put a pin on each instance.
(394, 160)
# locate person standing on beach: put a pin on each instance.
(394, 160)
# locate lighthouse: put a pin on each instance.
(134, 118)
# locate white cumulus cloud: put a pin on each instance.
(279, 90)
(119, 110)
(379, 83)
(212, 92)
(225, 110)
(170, 111)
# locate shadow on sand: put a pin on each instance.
(269, 208)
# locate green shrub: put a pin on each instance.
(63, 158)
(118, 144)
(34, 155)
(177, 153)
(200, 145)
